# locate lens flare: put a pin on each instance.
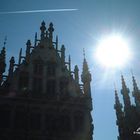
(113, 51)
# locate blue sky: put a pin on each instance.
(77, 30)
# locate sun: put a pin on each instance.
(113, 51)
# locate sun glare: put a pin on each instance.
(113, 51)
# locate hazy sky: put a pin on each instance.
(77, 30)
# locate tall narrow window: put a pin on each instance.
(51, 69)
(63, 86)
(37, 84)
(38, 76)
(38, 68)
(23, 80)
(51, 85)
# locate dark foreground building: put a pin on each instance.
(128, 116)
(41, 98)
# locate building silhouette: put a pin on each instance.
(41, 98)
(128, 114)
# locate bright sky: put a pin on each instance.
(77, 30)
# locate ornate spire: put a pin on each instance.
(2, 63)
(63, 54)
(51, 29)
(86, 78)
(125, 92)
(5, 41)
(119, 114)
(118, 105)
(28, 46)
(76, 73)
(11, 67)
(56, 43)
(43, 28)
(20, 56)
(84, 53)
(136, 91)
(2, 60)
(69, 63)
(35, 40)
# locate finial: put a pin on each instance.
(11, 67)
(123, 82)
(51, 29)
(69, 63)
(5, 39)
(35, 39)
(43, 23)
(76, 70)
(115, 86)
(28, 43)
(84, 53)
(135, 86)
(42, 28)
(20, 55)
(12, 60)
(57, 42)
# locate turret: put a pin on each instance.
(136, 92)
(43, 28)
(125, 92)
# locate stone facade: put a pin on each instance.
(41, 98)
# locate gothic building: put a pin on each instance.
(128, 115)
(41, 98)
